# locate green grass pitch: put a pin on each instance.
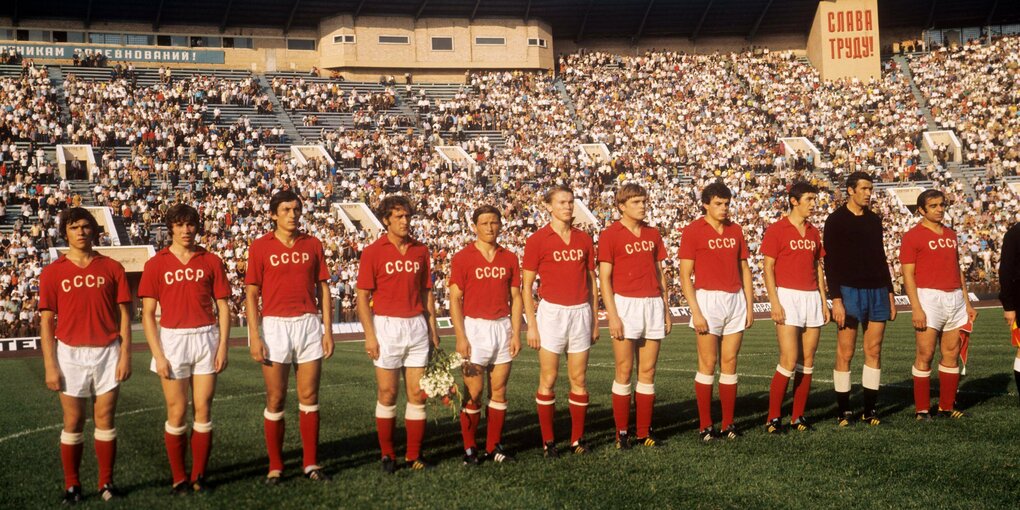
(970, 463)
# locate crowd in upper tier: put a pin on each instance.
(670, 121)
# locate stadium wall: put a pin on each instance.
(363, 59)
(683, 44)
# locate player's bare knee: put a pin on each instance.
(646, 375)
(74, 422)
(275, 401)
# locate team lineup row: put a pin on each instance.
(84, 299)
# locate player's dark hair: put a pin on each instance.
(798, 190)
(855, 177)
(185, 214)
(486, 209)
(629, 191)
(717, 189)
(551, 192)
(926, 195)
(283, 196)
(392, 203)
(74, 215)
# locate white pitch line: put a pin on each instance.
(146, 410)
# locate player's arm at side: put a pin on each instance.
(223, 324)
(152, 337)
(527, 284)
(917, 315)
(251, 312)
(516, 308)
(429, 298)
(609, 301)
(48, 343)
(365, 315)
(457, 318)
(687, 288)
(663, 277)
(124, 365)
(822, 285)
(745, 272)
(769, 271)
(326, 302)
(593, 282)
(971, 312)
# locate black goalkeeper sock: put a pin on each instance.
(1016, 375)
(843, 401)
(870, 399)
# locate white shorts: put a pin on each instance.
(88, 371)
(564, 328)
(803, 308)
(293, 339)
(642, 317)
(945, 311)
(725, 312)
(489, 339)
(403, 341)
(190, 351)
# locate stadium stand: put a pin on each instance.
(220, 139)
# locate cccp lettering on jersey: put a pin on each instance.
(482, 273)
(293, 257)
(942, 243)
(802, 244)
(638, 247)
(568, 255)
(723, 243)
(89, 280)
(403, 266)
(181, 275)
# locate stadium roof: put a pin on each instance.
(573, 19)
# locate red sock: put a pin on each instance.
(494, 424)
(308, 422)
(201, 445)
(621, 406)
(385, 427)
(703, 392)
(70, 457)
(469, 417)
(578, 410)
(801, 390)
(414, 422)
(274, 440)
(728, 398)
(546, 413)
(777, 392)
(949, 380)
(922, 390)
(176, 448)
(106, 453)
(644, 402)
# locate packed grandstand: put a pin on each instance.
(220, 140)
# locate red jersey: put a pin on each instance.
(635, 259)
(396, 280)
(796, 255)
(562, 267)
(937, 263)
(85, 300)
(288, 277)
(186, 292)
(716, 256)
(486, 285)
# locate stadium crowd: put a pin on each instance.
(670, 121)
(972, 89)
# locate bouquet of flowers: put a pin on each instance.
(439, 382)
